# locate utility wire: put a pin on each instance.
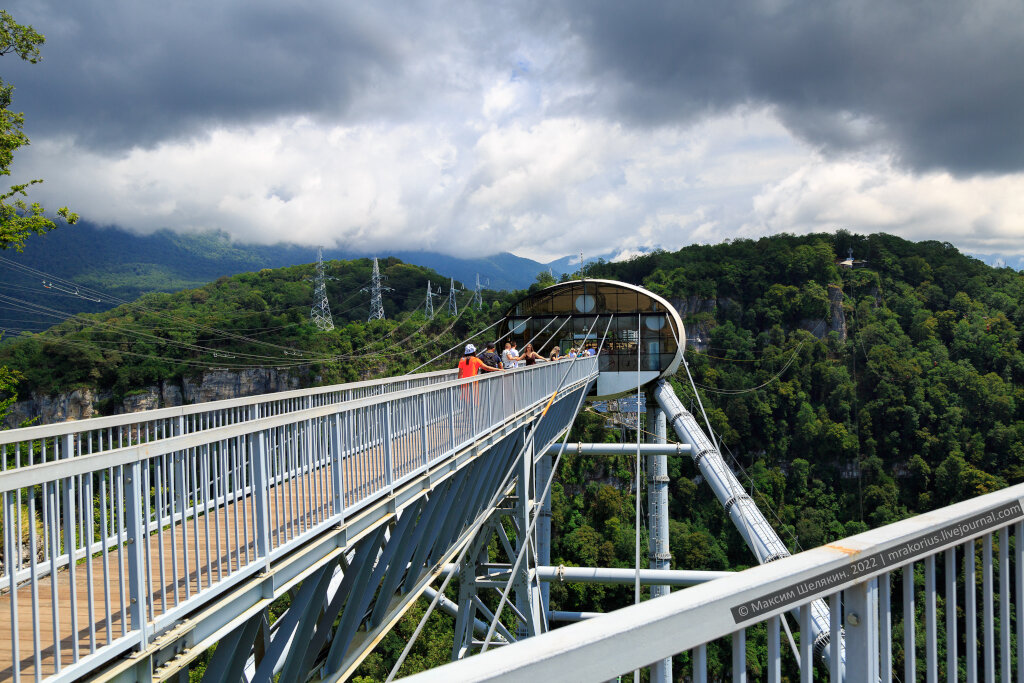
(736, 392)
(499, 493)
(543, 495)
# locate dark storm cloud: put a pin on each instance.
(939, 84)
(118, 74)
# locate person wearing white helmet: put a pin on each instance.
(470, 365)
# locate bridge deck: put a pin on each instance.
(231, 547)
(211, 483)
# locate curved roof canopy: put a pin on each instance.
(645, 338)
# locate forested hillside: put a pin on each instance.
(914, 401)
(252, 320)
(124, 265)
(921, 405)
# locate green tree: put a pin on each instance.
(18, 218)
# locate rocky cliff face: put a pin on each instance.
(697, 333)
(693, 305)
(838, 316)
(214, 385)
(836, 320)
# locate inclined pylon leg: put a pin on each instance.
(528, 600)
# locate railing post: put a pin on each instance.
(451, 418)
(388, 464)
(861, 632)
(136, 560)
(260, 476)
(423, 427)
(472, 395)
(70, 542)
(11, 531)
(337, 474)
(774, 663)
(179, 473)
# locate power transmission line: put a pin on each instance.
(320, 314)
(453, 308)
(376, 293)
(429, 310)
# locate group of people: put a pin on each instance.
(472, 364)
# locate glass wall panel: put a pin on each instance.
(581, 304)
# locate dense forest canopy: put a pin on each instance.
(920, 403)
(252, 320)
(845, 398)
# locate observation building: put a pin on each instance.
(645, 336)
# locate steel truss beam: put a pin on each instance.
(388, 568)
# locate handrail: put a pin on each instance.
(259, 478)
(33, 475)
(855, 571)
(11, 436)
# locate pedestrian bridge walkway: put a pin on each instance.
(131, 543)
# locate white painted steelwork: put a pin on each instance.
(644, 343)
(744, 513)
(167, 510)
(861, 576)
(623, 448)
(613, 575)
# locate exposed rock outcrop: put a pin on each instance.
(79, 404)
(693, 305)
(213, 385)
(836, 321)
(217, 385)
(147, 399)
(838, 316)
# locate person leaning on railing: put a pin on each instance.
(530, 357)
(470, 366)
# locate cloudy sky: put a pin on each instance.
(541, 128)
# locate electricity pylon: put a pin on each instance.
(320, 314)
(478, 297)
(453, 308)
(376, 293)
(429, 309)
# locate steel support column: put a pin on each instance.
(465, 619)
(657, 516)
(527, 596)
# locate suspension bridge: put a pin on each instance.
(133, 544)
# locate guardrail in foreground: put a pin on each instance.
(885, 588)
(163, 510)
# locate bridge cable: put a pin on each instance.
(499, 493)
(453, 347)
(736, 392)
(476, 526)
(547, 487)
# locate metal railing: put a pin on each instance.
(936, 597)
(150, 515)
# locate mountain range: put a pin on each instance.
(55, 268)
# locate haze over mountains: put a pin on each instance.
(126, 265)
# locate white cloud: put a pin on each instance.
(872, 195)
(542, 188)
